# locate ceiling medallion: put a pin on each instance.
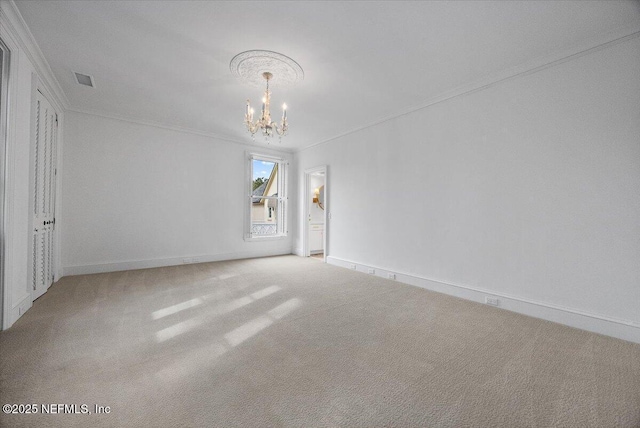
(278, 70)
(249, 67)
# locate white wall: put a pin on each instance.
(527, 189)
(140, 196)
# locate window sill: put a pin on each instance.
(264, 238)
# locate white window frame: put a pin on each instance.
(282, 226)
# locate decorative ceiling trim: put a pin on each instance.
(593, 45)
(249, 67)
(159, 125)
(18, 27)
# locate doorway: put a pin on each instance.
(315, 213)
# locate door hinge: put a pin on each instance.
(56, 119)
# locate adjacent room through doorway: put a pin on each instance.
(315, 213)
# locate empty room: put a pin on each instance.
(320, 213)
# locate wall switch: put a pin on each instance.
(371, 271)
(329, 216)
(391, 276)
(352, 266)
(493, 301)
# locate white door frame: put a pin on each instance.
(4, 124)
(305, 212)
(9, 138)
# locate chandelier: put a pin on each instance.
(264, 124)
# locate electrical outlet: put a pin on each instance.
(391, 276)
(187, 261)
(371, 271)
(493, 301)
(352, 267)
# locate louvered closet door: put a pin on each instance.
(44, 195)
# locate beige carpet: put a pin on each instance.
(287, 341)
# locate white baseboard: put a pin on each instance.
(621, 329)
(19, 308)
(298, 252)
(153, 263)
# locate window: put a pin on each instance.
(267, 198)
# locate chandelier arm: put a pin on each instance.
(281, 130)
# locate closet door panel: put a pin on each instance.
(44, 167)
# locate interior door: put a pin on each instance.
(46, 130)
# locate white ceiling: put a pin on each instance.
(168, 62)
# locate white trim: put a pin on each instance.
(530, 67)
(256, 155)
(174, 128)
(4, 144)
(32, 155)
(22, 305)
(28, 43)
(20, 300)
(174, 261)
(12, 89)
(265, 238)
(596, 323)
(305, 213)
(59, 219)
(282, 224)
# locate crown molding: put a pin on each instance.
(15, 23)
(10, 15)
(538, 64)
(173, 128)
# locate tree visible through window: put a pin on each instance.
(267, 201)
(257, 182)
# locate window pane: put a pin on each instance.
(262, 171)
(264, 217)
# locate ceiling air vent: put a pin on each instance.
(84, 79)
